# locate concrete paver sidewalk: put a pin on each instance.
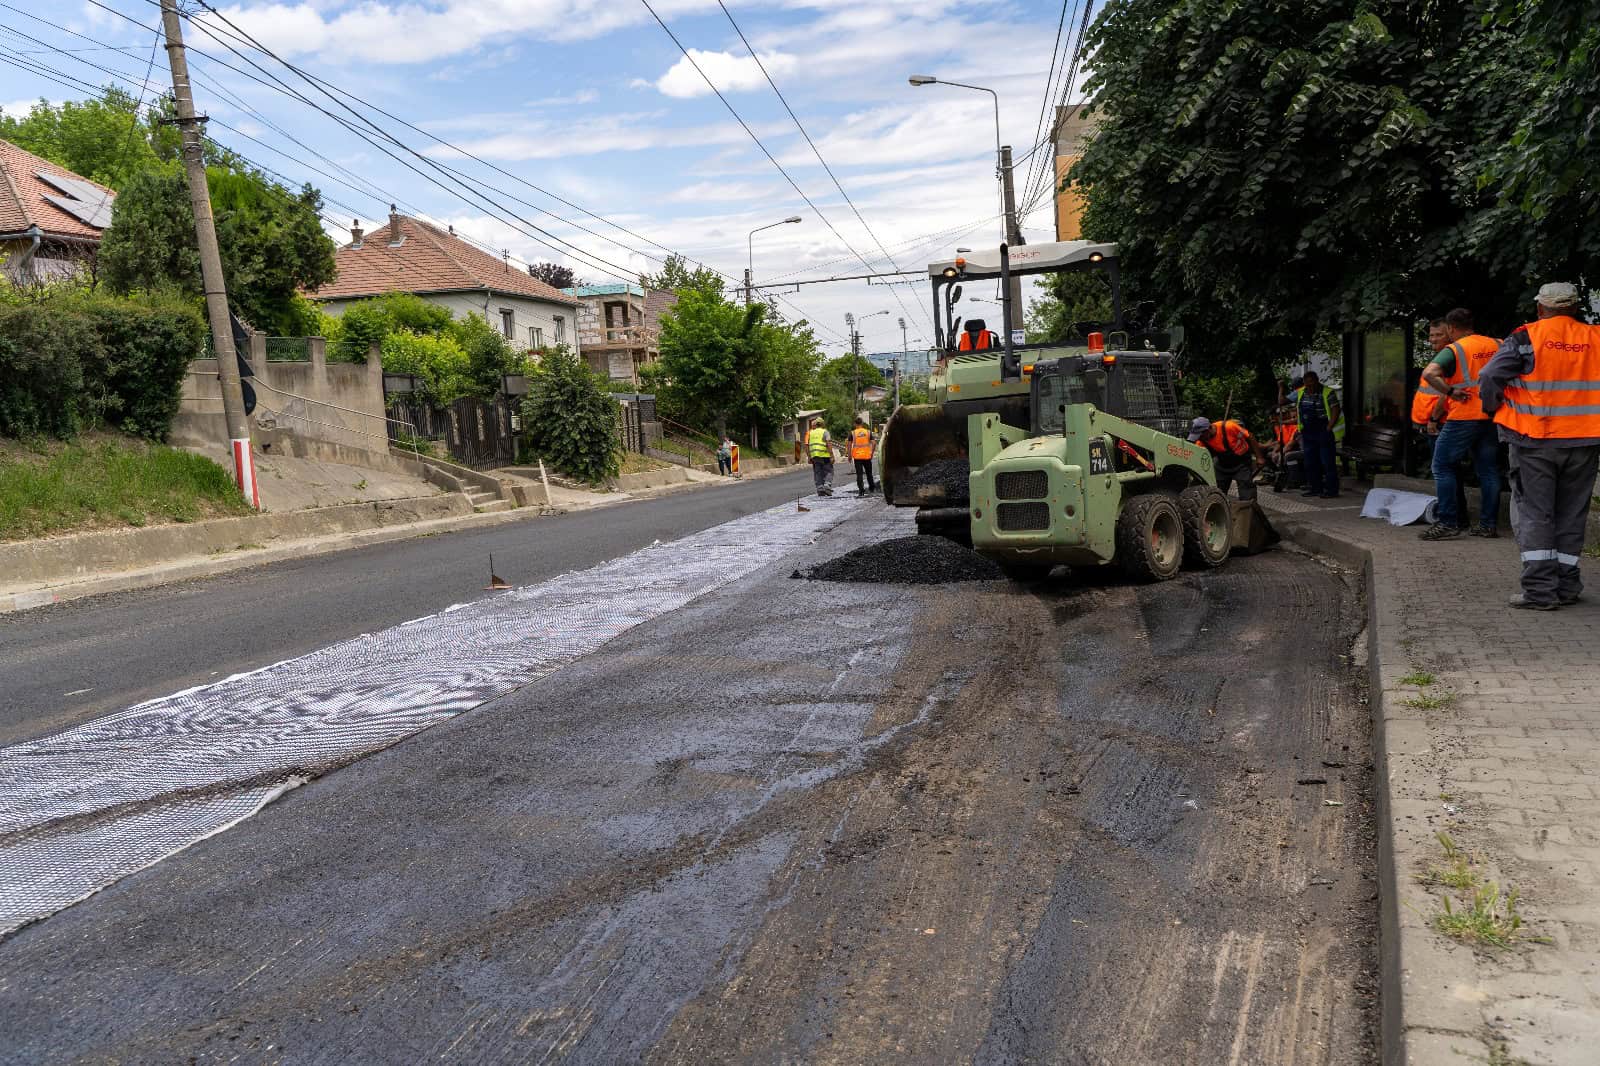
(1488, 731)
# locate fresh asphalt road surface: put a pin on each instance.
(62, 664)
(797, 822)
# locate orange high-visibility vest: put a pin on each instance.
(986, 340)
(1426, 400)
(1227, 438)
(1561, 397)
(1473, 353)
(861, 444)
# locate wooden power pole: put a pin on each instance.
(205, 231)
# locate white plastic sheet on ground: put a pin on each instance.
(81, 809)
(1398, 508)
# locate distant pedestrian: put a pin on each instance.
(1543, 390)
(820, 447)
(1234, 453)
(861, 455)
(1321, 424)
(725, 456)
(1464, 430)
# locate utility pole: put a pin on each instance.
(1013, 233)
(747, 286)
(205, 231)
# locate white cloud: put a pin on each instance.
(540, 139)
(728, 72)
(19, 108)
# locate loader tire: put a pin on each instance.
(1207, 526)
(1150, 537)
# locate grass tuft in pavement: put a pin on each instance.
(1486, 916)
(1419, 678)
(107, 481)
(1431, 701)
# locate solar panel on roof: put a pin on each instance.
(84, 201)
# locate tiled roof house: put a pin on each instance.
(410, 255)
(50, 218)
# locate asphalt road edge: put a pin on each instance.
(1427, 994)
(189, 568)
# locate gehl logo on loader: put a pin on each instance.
(1178, 451)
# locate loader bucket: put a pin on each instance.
(1252, 533)
(915, 438)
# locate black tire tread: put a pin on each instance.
(1133, 547)
(1192, 504)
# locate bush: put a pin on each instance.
(571, 419)
(489, 357)
(368, 322)
(440, 365)
(73, 361)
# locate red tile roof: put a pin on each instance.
(427, 260)
(22, 196)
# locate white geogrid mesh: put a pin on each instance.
(86, 807)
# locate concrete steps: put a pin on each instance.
(485, 501)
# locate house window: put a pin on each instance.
(535, 337)
(561, 330)
(508, 323)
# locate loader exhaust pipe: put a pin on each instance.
(1010, 366)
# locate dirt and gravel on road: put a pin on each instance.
(798, 821)
(914, 560)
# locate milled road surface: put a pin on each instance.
(797, 821)
(66, 663)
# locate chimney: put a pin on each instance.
(356, 233)
(396, 235)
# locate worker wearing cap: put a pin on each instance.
(1463, 430)
(1234, 453)
(820, 447)
(861, 456)
(1542, 389)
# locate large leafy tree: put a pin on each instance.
(1270, 168)
(677, 276)
(555, 275)
(271, 241)
(838, 385)
(109, 139)
(723, 366)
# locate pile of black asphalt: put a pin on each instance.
(919, 560)
(949, 474)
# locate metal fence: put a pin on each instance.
(476, 433)
(288, 349)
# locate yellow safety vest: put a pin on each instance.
(818, 440)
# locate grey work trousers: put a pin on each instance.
(1243, 476)
(1552, 489)
(822, 474)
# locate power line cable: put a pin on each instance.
(814, 149)
(1049, 89)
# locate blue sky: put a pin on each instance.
(594, 103)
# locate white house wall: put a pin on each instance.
(526, 312)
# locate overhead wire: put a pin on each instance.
(815, 150)
(1047, 171)
(1049, 93)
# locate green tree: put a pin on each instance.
(837, 387)
(109, 139)
(271, 242)
(555, 275)
(727, 367)
(1065, 300)
(1271, 169)
(676, 276)
(571, 419)
(441, 366)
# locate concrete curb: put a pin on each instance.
(1428, 990)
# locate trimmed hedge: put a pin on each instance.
(84, 362)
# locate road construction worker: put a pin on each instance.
(1542, 388)
(1321, 424)
(861, 456)
(1464, 431)
(1234, 453)
(978, 337)
(1284, 452)
(1428, 400)
(725, 456)
(819, 446)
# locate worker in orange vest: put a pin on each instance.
(1234, 453)
(861, 455)
(1464, 431)
(1428, 400)
(978, 337)
(1543, 390)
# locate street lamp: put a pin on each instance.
(750, 252)
(929, 79)
(851, 321)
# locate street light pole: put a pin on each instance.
(750, 253)
(904, 351)
(1010, 229)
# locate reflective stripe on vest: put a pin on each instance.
(1473, 353)
(1327, 411)
(818, 440)
(1561, 397)
(861, 444)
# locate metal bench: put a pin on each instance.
(1371, 447)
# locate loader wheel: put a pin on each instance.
(1150, 537)
(1207, 526)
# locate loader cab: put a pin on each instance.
(966, 276)
(1138, 386)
